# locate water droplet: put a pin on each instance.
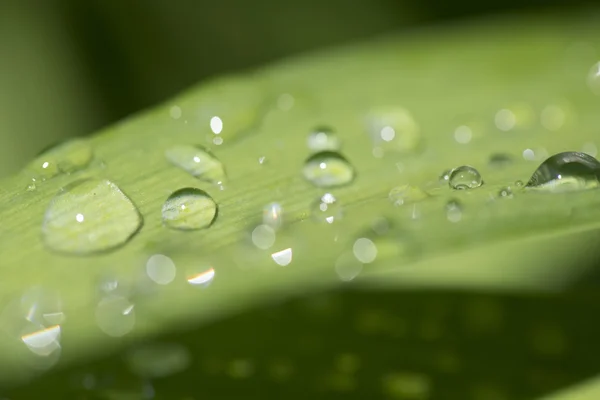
(158, 360)
(347, 267)
(216, 125)
(175, 112)
(189, 209)
(63, 158)
(453, 211)
(262, 160)
(505, 193)
(519, 183)
(197, 161)
(463, 134)
(323, 139)
(465, 177)
(364, 250)
(200, 276)
(500, 160)
(283, 257)
(594, 78)
(566, 171)
(445, 176)
(263, 237)
(552, 117)
(89, 216)
(327, 209)
(328, 169)
(115, 315)
(161, 269)
(393, 129)
(505, 120)
(273, 215)
(406, 194)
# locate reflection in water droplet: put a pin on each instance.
(327, 209)
(115, 315)
(505, 193)
(201, 276)
(89, 216)
(364, 250)
(67, 157)
(323, 139)
(347, 267)
(465, 177)
(189, 209)
(500, 160)
(175, 112)
(197, 161)
(505, 120)
(263, 237)
(594, 78)
(406, 194)
(552, 117)
(273, 215)
(463, 134)
(453, 211)
(161, 269)
(42, 341)
(158, 360)
(566, 171)
(216, 125)
(393, 129)
(282, 257)
(328, 169)
(445, 176)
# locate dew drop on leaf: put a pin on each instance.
(568, 171)
(323, 139)
(393, 129)
(63, 158)
(453, 211)
(89, 216)
(115, 315)
(328, 169)
(465, 177)
(505, 193)
(406, 194)
(198, 162)
(189, 209)
(273, 215)
(326, 209)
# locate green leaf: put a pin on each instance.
(440, 78)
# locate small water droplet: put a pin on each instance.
(566, 171)
(505, 120)
(453, 211)
(328, 169)
(463, 134)
(63, 158)
(519, 183)
(158, 360)
(161, 269)
(115, 315)
(327, 209)
(175, 112)
(364, 250)
(283, 257)
(263, 237)
(505, 193)
(445, 176)
(323, 139)
(465, 177)
(593, 78)
(262, 160)
(89, 216)
(273, 215)
(216, 125)
(197, 161)
(393, 129)
(189, 209)
(406, 194)
(200, 275)
(500, 160)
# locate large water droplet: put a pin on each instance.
(394, 129)
(566, 171)
(326, 209)
(89, 216)
(66, 158)
(197, 161)
(465, 177)
(323, 139)
(328, 169)
(189, 209)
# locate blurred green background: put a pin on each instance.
(69, 67)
